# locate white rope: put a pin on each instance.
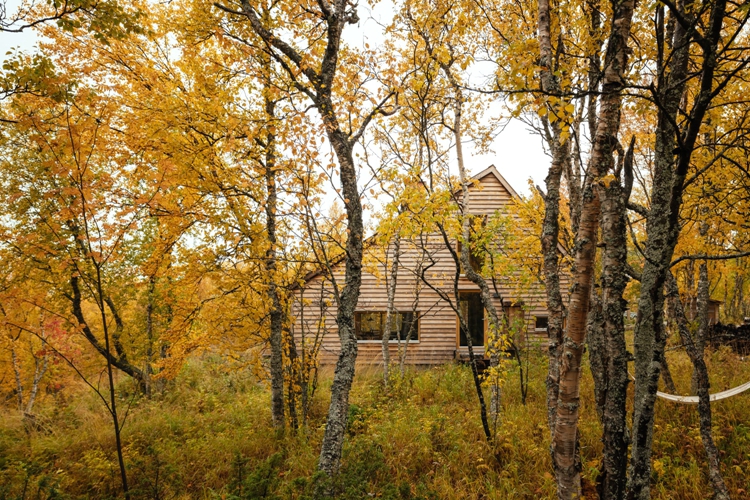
(693, 400)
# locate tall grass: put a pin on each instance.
(210, 436)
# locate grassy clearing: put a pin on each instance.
(210, 436)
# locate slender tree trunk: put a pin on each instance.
(17, 373)
(147, 369)
(338, 411)
(701, 303)
(464, 328)
(121, 361)
(704, 399)
(463, 325)
(392, 281)
(471, 274)
(111, 381)
(594, 77)
(294, 374)
(320, 80)
(662, 229)
(462, 259)
(40, 368)
(597, 346)
(402, 350)
(303, 382)
(409, 335)
(613, 477)
(465, 254)
(551, 227)
(277, 311)
(308, 355)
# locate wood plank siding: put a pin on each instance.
(314, 308)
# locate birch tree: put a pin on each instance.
(320, 73)
(564, 443)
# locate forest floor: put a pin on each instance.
(210, 436)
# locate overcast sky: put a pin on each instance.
(517, 153)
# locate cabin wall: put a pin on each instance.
(438, 329)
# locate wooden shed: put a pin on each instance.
(435, 337)
(713, 311)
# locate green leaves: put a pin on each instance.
(104, 20)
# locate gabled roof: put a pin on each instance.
(491, 170)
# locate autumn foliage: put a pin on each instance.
(170, 173)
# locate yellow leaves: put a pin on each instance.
(442, 55)
(564, 135)
(607, 180)
(69, 191)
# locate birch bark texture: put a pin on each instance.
(615, 193)
(391, 283)
(551, 227)
(465, 255)
(277, 311)
(564, 442)
(462, 259)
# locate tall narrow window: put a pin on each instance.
(472, 310)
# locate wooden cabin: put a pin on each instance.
(436, 337)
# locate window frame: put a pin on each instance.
(418, 319)
(536, 322)
(463, 299)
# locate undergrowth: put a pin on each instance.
(210, 436)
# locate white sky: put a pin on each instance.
(516, 152)
(24, 40)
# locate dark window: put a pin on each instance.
(541, 323)
(369, 325)
(472, 310)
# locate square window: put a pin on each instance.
(542, 322)
(368, 325)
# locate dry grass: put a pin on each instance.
(210, 437)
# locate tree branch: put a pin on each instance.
(704, 256)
